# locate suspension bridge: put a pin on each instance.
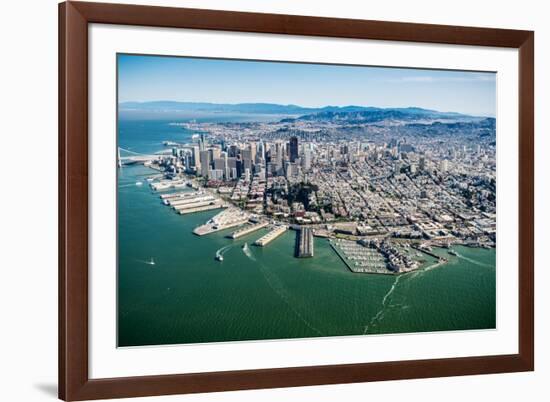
(127, 157)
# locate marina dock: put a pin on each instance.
(360, 259)
(247, 229)
(272, 235)
(304, 243)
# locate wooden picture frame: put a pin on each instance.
(74, 381)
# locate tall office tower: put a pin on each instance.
(202, 142)
(246, 154)
(261, 173)
(279, 152)
(443, 166)
(233, 151)
(422, 163)
(253, 152)
(246, 157)
(205, 163)
(215, 174)
(288, 169)
(261, 150)
(216, 153)
(306, 161)
(293, 149)
(219, 163)
(232, 167)
(239, 167)
(397, 167)
(196, 158)
(225, 166)
(187, 159)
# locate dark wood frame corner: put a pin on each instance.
(74, 382)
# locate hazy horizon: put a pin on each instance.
(221, 81)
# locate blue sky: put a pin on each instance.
(154, 78)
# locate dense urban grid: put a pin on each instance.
(375, 186)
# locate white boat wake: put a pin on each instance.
(150, 262)
(248, 253)
(220, 252)
(380, 314)
(481, 264)
(280, 290)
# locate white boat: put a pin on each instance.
(245, 246)
(139, 183)
(152, 262)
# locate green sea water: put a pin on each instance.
(266, 293)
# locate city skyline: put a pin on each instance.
(182, 79)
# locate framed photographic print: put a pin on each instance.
(259, 200)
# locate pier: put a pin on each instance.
(177, 203)
(247, 229)
(201, 209)
(227, 219)
(168, 184)
(429, 252)
(181, 194)
(304, 243)
(193, 205)
(272, 235)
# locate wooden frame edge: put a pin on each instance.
(74, 382)
(73, 202)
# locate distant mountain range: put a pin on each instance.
(290, 113)
(327, 112)
(249, 108)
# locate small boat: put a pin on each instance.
(139, 183)
(152, 262)
(245, 246)
(452, 252)
(219, 257)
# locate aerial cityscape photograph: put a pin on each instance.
(265, 200)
